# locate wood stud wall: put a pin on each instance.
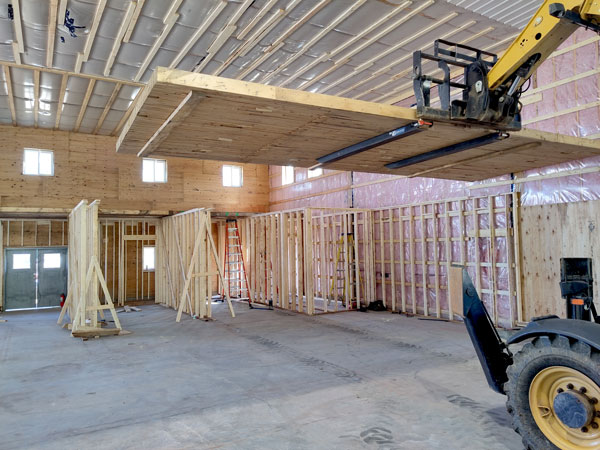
(423, 241)
(183, 271)
(121, 258)
(85, 274)
(291, 259)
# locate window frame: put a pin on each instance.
(313, 175)
(153, 247)
(154, 160)
(231, 166)
(54, 267)
(28, 261)
(284, 181)
(38, 151)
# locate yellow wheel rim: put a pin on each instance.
(544, 388)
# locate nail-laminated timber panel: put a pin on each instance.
(246, 122)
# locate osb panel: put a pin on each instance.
(238, 121)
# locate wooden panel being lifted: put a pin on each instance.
(200, 116)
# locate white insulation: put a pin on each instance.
(358, 49)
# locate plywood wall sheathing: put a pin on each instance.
(548, 233)
(86, 166)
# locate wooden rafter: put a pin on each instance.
(127, 113)
(257, 17)
(198, 33)
(83, 57)
(334, 23)
(152, 52)
(175, 4)
(61, 100)
(373, 27)
(407, 57)
(107, 108)
(134, 19)
(406, 72)
(258, 61)
(18, 44)
(86, 100)
(62, 11)
(305, 18)
(224, 34)
(368, 63)
(221, 38)
(52, 14)
(264, 29)
(119, 38)
(11, 97)
(406, 92)
(36, 97)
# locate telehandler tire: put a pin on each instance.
(553, 394)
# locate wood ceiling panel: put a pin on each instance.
(205, 117)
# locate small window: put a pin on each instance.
(154, 170)
(232, 176)
(148, 259)
(315, 172)
(51, 260)
(21, 261)
(38, 162)
(287, 175)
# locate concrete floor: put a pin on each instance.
(264, 380)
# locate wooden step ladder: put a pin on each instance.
(344, 273)
(236, 280)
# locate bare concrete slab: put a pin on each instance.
(264, 380)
